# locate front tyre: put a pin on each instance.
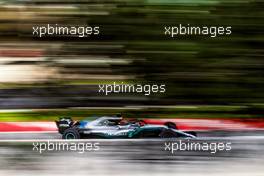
(167, 134)
(71, 133)
(171, 125)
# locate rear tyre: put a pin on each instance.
(71, 133)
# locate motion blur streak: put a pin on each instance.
(132, 47)
(134, 157)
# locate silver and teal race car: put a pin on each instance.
(116, 128)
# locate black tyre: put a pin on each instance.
(192, 133)
(171, 125)
(167, 134)
(71, 133)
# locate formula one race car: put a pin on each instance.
(114, 128)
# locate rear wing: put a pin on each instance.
(64, 123)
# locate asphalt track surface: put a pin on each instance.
(133, 156)
(54, 135)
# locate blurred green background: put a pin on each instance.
(64, 72)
